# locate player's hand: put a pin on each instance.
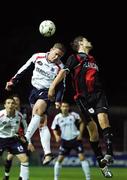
(9, 85)
(31, 147)
(51, 93)
(22, 138)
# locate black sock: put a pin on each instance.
(98, 152)
(8, 165)
(107, 134)
(20, 178)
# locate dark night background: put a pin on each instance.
(103, 24)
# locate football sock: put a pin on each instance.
(32, 127)
(86, 169)
(24, 171)
(57, 169)
(108, 135)
(45, 139)
(8, 164)
(98, 152)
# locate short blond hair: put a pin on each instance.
(60, 46)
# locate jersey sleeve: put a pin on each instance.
(15, 79)
(24, 123)
(76, 116)
(55, 123)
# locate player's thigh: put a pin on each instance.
(39, 107)
(22, 157)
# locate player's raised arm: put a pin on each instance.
(15, 79)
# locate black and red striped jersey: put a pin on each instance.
(84, 72)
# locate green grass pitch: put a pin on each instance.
(67, 173)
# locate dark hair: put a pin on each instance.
(10, 97)
(75, 43)
(65, 102)
(15, 95)
(60, 46)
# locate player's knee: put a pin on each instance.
(23, 158)
(43, 121)
(60, 158)
(81, 157)
(40, 107)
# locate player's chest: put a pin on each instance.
(45, 66)
(9, 121)
(69, 121)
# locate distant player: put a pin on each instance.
(68, 130)
(21, 132)
(10, 120)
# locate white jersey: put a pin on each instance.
(9, 126)
(44, 71)
(67, 125)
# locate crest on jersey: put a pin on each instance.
(40, 63)
(52, 69)
(91, 110)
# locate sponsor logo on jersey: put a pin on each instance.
(52, 69)
(42, 72)
(90, 65)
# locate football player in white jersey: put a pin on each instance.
(10, 120)
(46, 67)
(21, 131)
(66, 131)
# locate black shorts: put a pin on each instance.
(67, 146)
(93, 104)
(12, 145)
(38, 94)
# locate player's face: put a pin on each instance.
(64, 108)
(10, 105)
(17, 102)
(55, 54)
(86, 43)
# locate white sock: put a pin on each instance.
(86, 169)
(7, 174)
(33, 125)
(24, 171)
(57, 168)
(45, 139)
